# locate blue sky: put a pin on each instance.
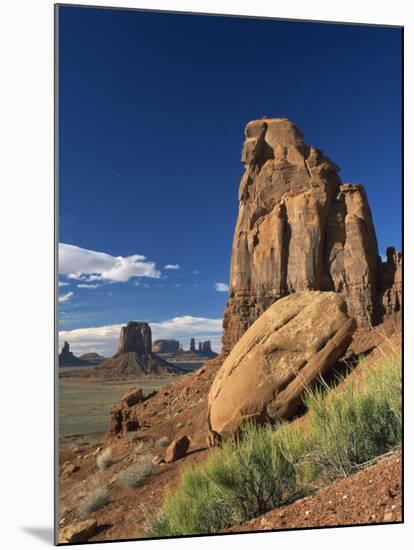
(152, 109)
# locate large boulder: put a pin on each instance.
(299, 228)
(264, 377)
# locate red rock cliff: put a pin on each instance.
(298, 228)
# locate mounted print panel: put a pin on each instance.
(229, 274)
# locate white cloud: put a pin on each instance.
(89, 265)
(104, 340)
(221, 287)
(173, 267)
(88, 285)
(63, 283)
(195, 272)
(65, 297)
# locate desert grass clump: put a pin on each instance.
(360, 421)
(271, 466)
(238, 481)
(94, 501)
(256, 472)
(104, 459)
(134, 475)
(199, 506)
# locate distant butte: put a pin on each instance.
(134, 355)
(68, 359)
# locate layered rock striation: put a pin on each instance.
(300, 228)
(134, 355)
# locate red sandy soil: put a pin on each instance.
(179, 409)
(373, 495)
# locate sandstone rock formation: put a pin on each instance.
(390, 283)
(78, 532)
(124, 417)
(135, 356)
(263, 379)
(192, 345)
(132, 397)
(298, 228)
(178, 449)
(135, 337)
(68, 359)
(166, 346)
(92, 358)
(206, 348)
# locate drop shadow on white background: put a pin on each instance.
(45, 534)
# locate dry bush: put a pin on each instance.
(135, 474)
(104, 459)
(97, 499)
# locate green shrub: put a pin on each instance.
(198, 507)
(360, 421)
(255, 472)
(238, 481)
(271, 466)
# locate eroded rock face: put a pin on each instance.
(298, 228)
(135, 337)
(263, 379)
(390, 283)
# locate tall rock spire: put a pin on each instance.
(298, 228)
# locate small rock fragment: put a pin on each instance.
(177, 449)
(78, 532)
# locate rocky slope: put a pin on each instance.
(300, 228)
(181, 409)
(373, 495)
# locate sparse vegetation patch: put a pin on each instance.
(271, 466)
(104, 459)
(134, 475)
(94, 501)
